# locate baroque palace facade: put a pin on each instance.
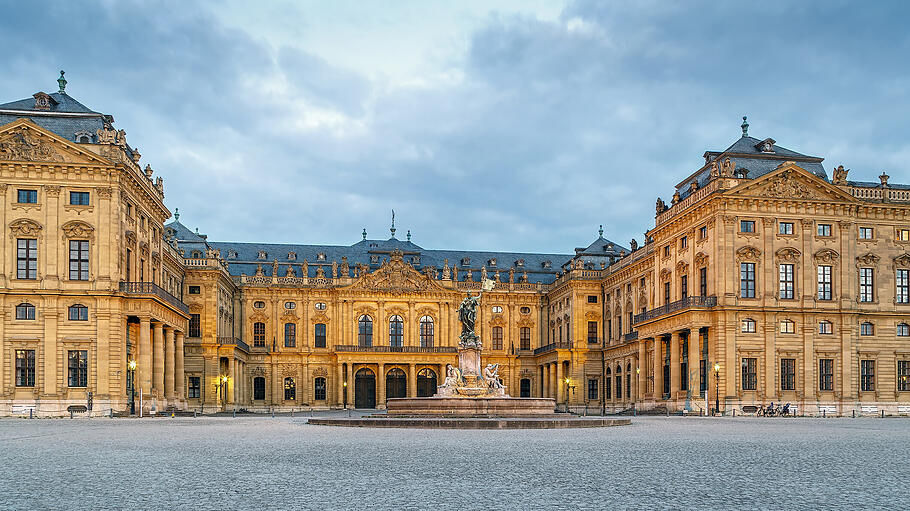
(762, 280)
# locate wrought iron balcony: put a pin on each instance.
(149, 288)
(631, 336)
(234, 341)
(394, 349)
(689, 302)
(553, 346)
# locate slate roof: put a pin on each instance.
(243, 258)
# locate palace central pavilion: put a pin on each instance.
(763, 279)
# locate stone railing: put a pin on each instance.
(699, 194)
(689, 302)
(351, 348)
(880, 194)
(553, 346)
(148, 288)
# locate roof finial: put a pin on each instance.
(364, 233)
(393, 224)
(601, 231)
(745, 127)
(176, 214)
(61, 81)
(409, 235)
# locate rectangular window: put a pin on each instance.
(865, 285)
(497, 337)
(786, 282)
(78, 260)
(866, 329)
(747, 326)
(27, 197)
(824, 282)
(592, 332)
(27, 259)
(592, 390)
(825, 327)
(902, 280)
(667, 251)
(703, 232)
(747, 280)
(524, 338)
(787, 327)
(903, 234)
(79, 198)
(788, 374)
(195, 326)
(866, 233)
(824, 229)
(319, 340)
(25, 368)
(747, 226)
(592, 298)
(319, 389)
(78, 368)
(703, 281)
(608, 388)
(290, 335)
(785, 228)
(78, 313)
(750, 372)
(666, 293)
(683, 242)
(192, 390)
(290, 389)
(684, 286)
(826, 374)
(194, 290)
(867, 375)
(903, 375)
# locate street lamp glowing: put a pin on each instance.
(716, 367)
(637, 370)
(224, 379)
(132, 365)
(567, 381)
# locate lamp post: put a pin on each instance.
(345, 397)
(132, 374)
(224, 380)
(567, 395)
(716, 387)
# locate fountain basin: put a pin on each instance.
(470, 407)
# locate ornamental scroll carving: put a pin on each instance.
(131, 237)
(786, 186)
(748, 253)
(24, 227)
(788, 254)
(682, 268)
(23, 145)
(902, 261)
(320, 372)
(77, 229)
(701, 259)
(397, 277)
(869, 259)
(826, 256)
(665, 274)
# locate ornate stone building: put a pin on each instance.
(794, 286)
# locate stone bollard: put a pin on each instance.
(824, 414)
(31, 412)
(234, 414)
(194, 414)
(71, 414)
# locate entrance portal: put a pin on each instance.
(426, 383)
(396, 383)
(364, 389)
(525, 386)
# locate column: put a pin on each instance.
(674, 365)
(694, 358)
(340, 384)
(642, 367)
(380, 385)
(351, 381)
(144, 367)
(230, 388)
(169, 364)
(658, 369)
(179, 378)
(412, 380)
(158, 360)
(634, 381)
(560, 385)
(545, 378)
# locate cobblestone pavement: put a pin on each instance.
(283, 463)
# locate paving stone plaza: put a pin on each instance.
(283, 463)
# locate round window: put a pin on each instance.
(320, 306)
(497, 309)
(259, 304)
(290, 305)
(525, 310)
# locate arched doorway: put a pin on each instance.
(396, 383)
(365, 389)
(525, 387)
(426, 382)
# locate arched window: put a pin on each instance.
(524, 338)
(290, 389)
(396, 330)
(25, 311)
(290, 335)
(259, 304)
(396, 383)
(618, 382)
(259, 334)
(319, 389)
(497, 338)
(426, 382)
(866, 329)
(748, 326)
(78, 312)
(629, 380)
(319, 332)
(903, 330)
(365, 331)
(608, 388)
(426, 332)
(825, 327)
(259, 388)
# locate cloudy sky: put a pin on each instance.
(512, 125)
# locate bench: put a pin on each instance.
(77, 408)
(750, 409)
(903, 410)
(869, 409)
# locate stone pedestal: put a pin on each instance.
(471, 406)
(469, 362)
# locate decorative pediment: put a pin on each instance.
(526, 322)
(748, 253)
(320, 317)
(869, 259)
(258, 371)
(682, 268)
(826, 256)
(592, 316)
(790, 181)
(130, 237)
(902, 261)
(360, 311)
(788, 254)
(320, 372)
(701, 259)
(396, 277)
(22, 140)
(426, 311)
(288, 369)
(77, 229)
(24, 227)
(259, 316)
(665, 274)
(289, 314)
(497, 320)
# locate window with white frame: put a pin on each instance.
(787, 327)
(747, 326)
(865, 285)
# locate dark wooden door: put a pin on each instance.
(525, 387)
(396, 384)
(426, 383)
(365, 389)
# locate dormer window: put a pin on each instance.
(43, 101)
(261, 256)
(232, 254)
(520, 263)
(83, 137)
(465, 261)
(320, 256)
(374, 259)
(292, 256)
(415, 260)
(492, 262)
(766, 145)
(374, 245)
(196, 254)
(547, 264)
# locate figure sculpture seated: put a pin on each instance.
(453, 376)
(491, 375)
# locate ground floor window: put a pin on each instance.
(618, 385)
(826, 374)
(788, 374)
(592, 390)
(290, 389)
(903, 375)
(259, 388)
(629, 384)
(192, 391)
(750, 373)
(77, 363)
(319, 389)
(867, 375)
(608, 389)
(25, 368)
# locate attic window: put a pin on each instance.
(766, 145)
(465, 261)
(261, 255)
(196, 254)
(520, 263)
(547, 264)
(320, 256)
(232, 254)
(168, 232)
(415, 260)
(292, 256)
(43, 101)
(374, 245)
(492, 262)
(374, 259)
(83, 137)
